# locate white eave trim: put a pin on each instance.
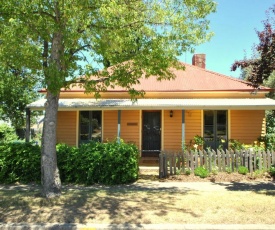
(167, 104)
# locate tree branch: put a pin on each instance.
(45, 54)
(72, 51)
(44, 13)
(83, 81)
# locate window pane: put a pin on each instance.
(215, 129)
(221, 125)
(96, 125)
(208, 117)
(84, 126)
(208, 125)
(221, 117)
(89, 126)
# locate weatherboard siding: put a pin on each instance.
(66, 127)
(130, 126)
(247, 125)
(193, 125)
(172, 130)
(110, 125)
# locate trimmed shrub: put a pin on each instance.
(95, 162)
(201, 172)
(103, 163)
(67, 158)
(19, 162)
(119, 163)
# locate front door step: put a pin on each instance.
(149, 161)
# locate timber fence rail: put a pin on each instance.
(172, 163)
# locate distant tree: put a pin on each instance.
(261, 67)
(51, 38)
(270, 82)
(17, 89)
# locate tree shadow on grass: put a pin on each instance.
(142, 209)
(127, 204)
(267, 188)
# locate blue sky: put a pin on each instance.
(234, 26)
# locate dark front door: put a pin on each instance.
(151, 133)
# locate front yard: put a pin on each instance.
(144, 202)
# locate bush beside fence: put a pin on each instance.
(170, 163)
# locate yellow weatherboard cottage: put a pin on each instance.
(197, 102)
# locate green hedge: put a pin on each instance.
(103, 163)
(19, 162)
(95, 162)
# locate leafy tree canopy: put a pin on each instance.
(259, 69)
(51, 38)
(97, 30)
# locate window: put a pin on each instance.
(89, 126)
(215, 129)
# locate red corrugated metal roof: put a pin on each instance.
(193, 78)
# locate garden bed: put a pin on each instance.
(221, 177)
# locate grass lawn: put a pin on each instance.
(138, 205)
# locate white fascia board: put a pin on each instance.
(166, 104)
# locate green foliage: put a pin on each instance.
(215, 170)
(104, 163)
(269, 138)
(270, 82)
(95, 162)
(61, 40)
(16, 91)
(257, 173)
(187, 171)
(262, 66)
(270, 121)
(70, 164)
(196, 143)
(178, 172)
(272, 171)
(19, 162)
(199, 140)
(7, 133)
(235, 144)
(243, 170)
(228, 170)
(54, 40)
(201, 172)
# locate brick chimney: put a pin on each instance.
(199, 60)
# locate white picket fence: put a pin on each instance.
(170, 162)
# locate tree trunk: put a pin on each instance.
(54, 75)
(51, 183)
